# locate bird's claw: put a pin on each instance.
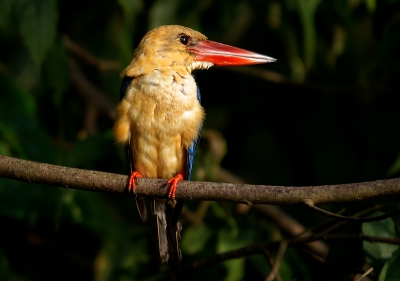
(132, 181)
(173, 183)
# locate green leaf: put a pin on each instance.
(395, 168)
(391, 270)
(225, 215)
(24, 137)
(56, 70)
(230, 240)
(5, 269)
(131, 9)
(17, 111)
(194, 238)
(293, 264)
(306, 10)
(235, 269)
(89, 148)
(371, 5)
(378, 253)
(4, 148)
(15, 102)
(163, 12)
(37, 23)
(5, 12)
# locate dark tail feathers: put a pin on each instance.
(167, 229)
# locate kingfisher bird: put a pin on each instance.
(160, 117)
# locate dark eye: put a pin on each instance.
(184, 39)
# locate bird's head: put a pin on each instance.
(183, 50)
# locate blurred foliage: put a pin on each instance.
(337, 122)
(378, 254)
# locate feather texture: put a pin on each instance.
(160, 117)
(160, 229)
(140, 204)
(159, 121)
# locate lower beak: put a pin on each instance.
(221, 54)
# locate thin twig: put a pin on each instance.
(90, 92)
(274, 270)
(360, 236)
(310, 204)
(270, 261)
(102, 65)
(317, 249)
(365, 274)
(340, 223)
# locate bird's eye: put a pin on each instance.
(184, 39)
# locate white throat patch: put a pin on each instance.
(200, 65)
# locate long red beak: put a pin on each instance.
(221, 54)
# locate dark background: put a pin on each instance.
(327, 112)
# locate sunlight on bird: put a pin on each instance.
(160, 117)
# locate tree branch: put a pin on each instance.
(35, 172)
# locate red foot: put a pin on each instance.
(173, 183)
(132, 180)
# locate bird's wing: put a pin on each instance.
(139, 200)
(125, 83)
(192, 149)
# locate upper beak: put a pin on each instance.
(221, 54)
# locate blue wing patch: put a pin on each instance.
(192, 148)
